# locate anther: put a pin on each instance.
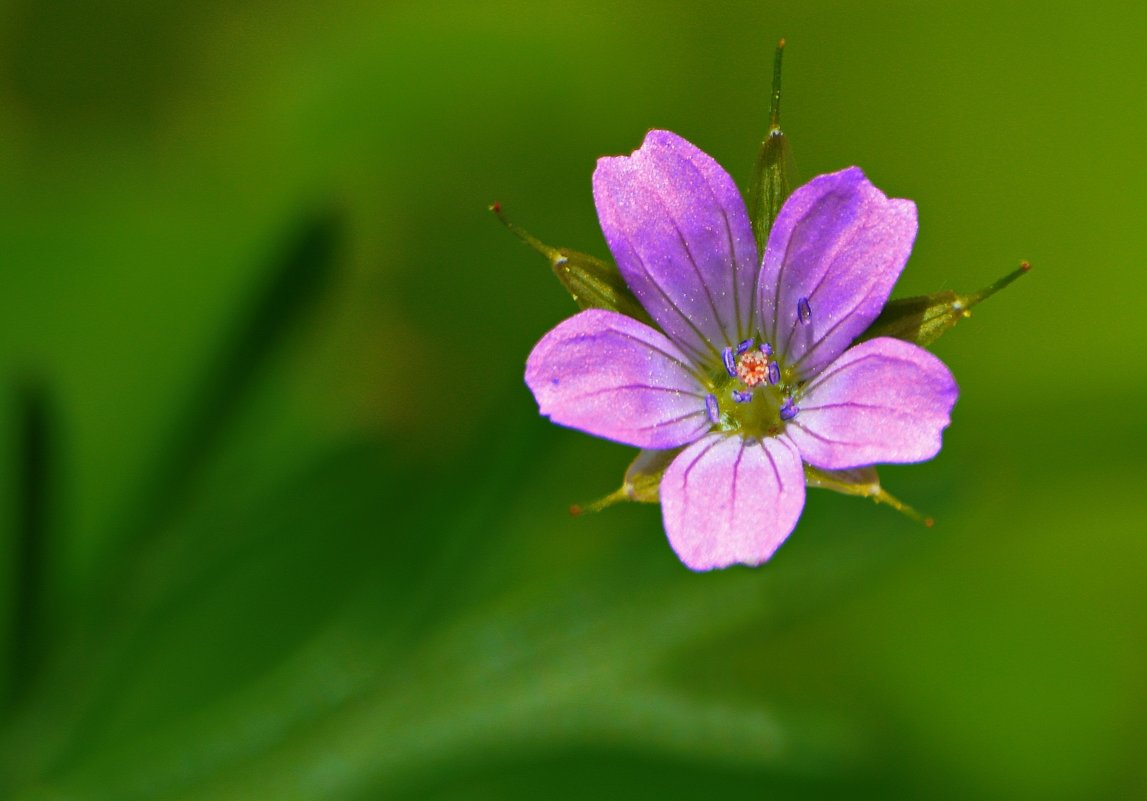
(804, 311)
(789, 409)
(774, 373)
(744, 346)
(730, 362)
(742, 397)
(713, 409)
(766, 349)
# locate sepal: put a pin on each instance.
(774, 175)
(593, 283)
(923, 319)
(641, 483)
(863, 482)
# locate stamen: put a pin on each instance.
(730, 363)
(804, 311)
(713, 409)
(766, 349)
(774, 373)
(742, 397)
(789, 409)
(744, 346)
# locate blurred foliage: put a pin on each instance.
(279, 519)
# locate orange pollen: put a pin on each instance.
(753, 368)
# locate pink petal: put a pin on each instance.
(726, 499)
(611, 376)
(884, 400)
(839, 244)
(678, 229)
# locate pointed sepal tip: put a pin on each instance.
(591, 282)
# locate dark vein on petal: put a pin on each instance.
(741, 327)
(836, 246)
(781, 271)
(835, 326)
(699, 355)
(665, 423)
(830, 256)
(772, 462)
(805, 409)
(625, 387)
(736, 480)
(689, 367)
(689, 254)
(717, 440)
(822, 438)
(718, 204)
(823, 377)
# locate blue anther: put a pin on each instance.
(766, 349)
(713, 409)
(789, 409)
(744, 346)
(804, 311)
(730, 362)
(774, 373)
(742, 397)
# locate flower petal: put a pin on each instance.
(728, 499)
(838, 245)
(677, 227)
(883, 401)
(614, 377)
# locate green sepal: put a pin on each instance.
(641, 483)
(774, 174)
(593, 283)
(863, 482)
(924, 319)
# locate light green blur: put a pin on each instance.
(300, 532)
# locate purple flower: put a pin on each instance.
(752, 368)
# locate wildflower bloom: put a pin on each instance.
(752, 369)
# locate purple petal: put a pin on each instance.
(728, 499)
(678, 229)
(883, 401)
(836, 249)
(613, 377)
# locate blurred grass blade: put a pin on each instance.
(296, 283)
(31, 549)
(593, 283)
(863, 482)
(924, 319)
(774, 175)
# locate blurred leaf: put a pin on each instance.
(31, 596)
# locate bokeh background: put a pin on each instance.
(280, 520)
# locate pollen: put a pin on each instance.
(753, 368)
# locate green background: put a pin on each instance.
(280, 519)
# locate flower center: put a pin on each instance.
(755, 395)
